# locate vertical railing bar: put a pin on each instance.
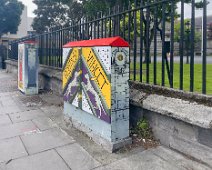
(181, 43)
(124, 16)
(129, 13)
(134, 42)
(110, 23)
(94, 29)
(82, 26)
(163, 44)
(141, 41)
(155, 44)
(102, 25)
(118, 21)
(114, 21)
(105, 27)
(192, 45)
(98, 25)
(172, 45)
(204, 47)
(91, 37)
(147, 42)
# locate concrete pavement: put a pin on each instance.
(35, 136)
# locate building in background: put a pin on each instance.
(24, 29)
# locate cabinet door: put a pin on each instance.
(32, 67)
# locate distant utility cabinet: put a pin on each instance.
(96, 90)
(28, 67)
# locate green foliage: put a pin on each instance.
(143, 129)
(10, 13)
(177, 33)
(56, 13)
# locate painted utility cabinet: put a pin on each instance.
(95, 87)
(28, 67)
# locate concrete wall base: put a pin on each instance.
(186, 138)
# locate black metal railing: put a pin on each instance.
(157, 35)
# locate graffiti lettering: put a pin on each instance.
(70, 66)
(98, 74)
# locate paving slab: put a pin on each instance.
(10, 109)
(4, 120)
(152, 160)
(8, 101)
(16, 129)
(44, 123)
(177, 159)
(26, 115)
(52, 111)
(142, 161)
(11, 149)
(77, 158)
(46, 140)
(48, 160)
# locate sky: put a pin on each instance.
(31, 7)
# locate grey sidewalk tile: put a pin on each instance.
(17, 129)
(142, 161)
(159, 158)
(10, 109)
(4, 120)
(26, 115)
(77, 158)
(177, 159)
(52, 111)
(11, 149)
(48, 160)
(44, 123)
(8, 101)
(46, 140)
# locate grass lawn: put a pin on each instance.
(186, 79)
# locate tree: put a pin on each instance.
(10, 16)
(49, 13)
(92, 7)
(177, 33)
(56, 13)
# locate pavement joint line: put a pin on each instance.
(35, 125)
(62, 159)
(4, 162)
(190, 157)
(52, 127)
(101, 165)
(10, 118)
(58, 147)
(24, 145)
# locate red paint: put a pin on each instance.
(28, 42)
(113, 42)
(20, 71)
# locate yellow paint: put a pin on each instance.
(79, 72)
(20, 85)
(79, 96)
(98, 74)
(70, 66)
